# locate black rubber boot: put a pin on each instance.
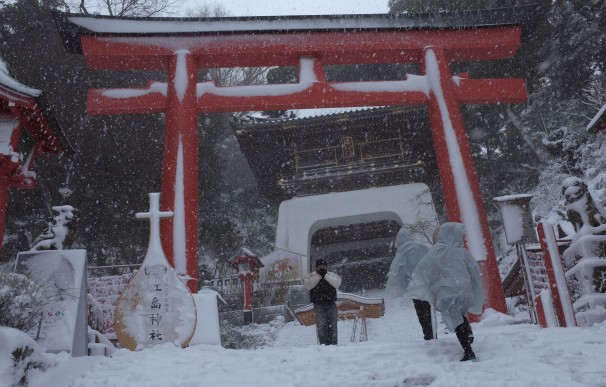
(468, 329)
(462, 333)
(468, 356)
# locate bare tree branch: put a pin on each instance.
(83, 7)
(206, 10)
(118, 8)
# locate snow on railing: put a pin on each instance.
(105, 291)
(587, 278)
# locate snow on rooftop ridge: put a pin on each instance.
(507, 198)
(247, 251)
(325, 112)
(8, 81)
(150, 26)
(294, 115)
(451, 19)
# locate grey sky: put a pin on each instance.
(294, 7)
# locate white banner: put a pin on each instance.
(281, 266)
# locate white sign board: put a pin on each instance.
(517, 218)
(64, 326)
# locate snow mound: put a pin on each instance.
(492, 318)
(20, 357)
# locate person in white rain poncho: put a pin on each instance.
(408, 254)
(449, 278)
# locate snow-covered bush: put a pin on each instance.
(271, 294)
(250, 336)
(573, 151)
(20, 357)
(22, 301)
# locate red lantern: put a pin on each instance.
(248, 264)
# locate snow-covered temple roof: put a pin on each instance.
(72, 26)
(41, 123)
(7, 80)
(301, 156)
(256, 120)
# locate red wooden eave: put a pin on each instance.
(326, 48)
(275, 49)
(474, 91)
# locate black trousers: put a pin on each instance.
(326, 323)
(423, 309)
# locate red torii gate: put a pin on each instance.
(182, 46)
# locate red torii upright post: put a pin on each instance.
(181, 46)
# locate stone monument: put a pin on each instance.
(156, 307)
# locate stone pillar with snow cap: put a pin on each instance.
(519, 231)
(207, 325)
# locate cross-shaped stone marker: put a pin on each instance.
(156, 303)
(154, 248)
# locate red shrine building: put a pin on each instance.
(184, 46)
(27, 130)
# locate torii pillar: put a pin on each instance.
(462, 194)
(180, 168)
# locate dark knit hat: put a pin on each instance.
(321, 262)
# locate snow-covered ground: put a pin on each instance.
(510, 353)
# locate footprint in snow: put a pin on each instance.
(419, 380)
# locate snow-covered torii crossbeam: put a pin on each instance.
(182, 46)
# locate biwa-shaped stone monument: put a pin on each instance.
(156, 307)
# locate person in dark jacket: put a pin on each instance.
(322, 286)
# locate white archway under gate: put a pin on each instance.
(299, 218)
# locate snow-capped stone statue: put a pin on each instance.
(56, 233)
(584, 258)
(586, 215)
